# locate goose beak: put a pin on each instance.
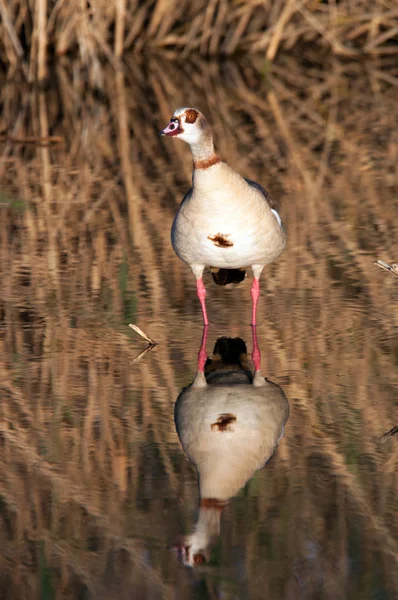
(171, 129)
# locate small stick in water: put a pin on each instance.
(142, 334)
(383, 265)
(143, 352)
(390, 433)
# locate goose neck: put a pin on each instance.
(203, 153)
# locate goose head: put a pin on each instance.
(191, 553)
(187, 124)
(195, 549)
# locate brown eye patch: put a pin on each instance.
(191, 115)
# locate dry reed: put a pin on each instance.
(37, 35)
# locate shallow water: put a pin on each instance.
(95, 487)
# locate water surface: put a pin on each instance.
(95, 487)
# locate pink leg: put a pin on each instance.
(256, 354)
(255, 293)
(202, 356)
(201, 291)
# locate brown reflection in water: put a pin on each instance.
(94, 485)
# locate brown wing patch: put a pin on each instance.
(220, 240)
(224, 422)
(191, 115)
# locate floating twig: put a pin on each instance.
(151, 343)
(142, 334)
(383, 265)
(390, 433)
(143, 352)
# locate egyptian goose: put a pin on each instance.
(229, 422)
(225, 222)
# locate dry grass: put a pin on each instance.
(92, 476)
(36, 34)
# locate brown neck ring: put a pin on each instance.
(205, 164)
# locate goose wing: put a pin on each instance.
(267, 198)
(187, 196)
(262, 190)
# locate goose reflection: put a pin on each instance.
(229, 421)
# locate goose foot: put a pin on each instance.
(201, 291)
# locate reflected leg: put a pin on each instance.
(202, 356)
(256, 354)
(201, 291)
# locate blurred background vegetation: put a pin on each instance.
(35, 34)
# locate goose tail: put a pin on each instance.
(226, 276)
(233, 351)
(229, 362)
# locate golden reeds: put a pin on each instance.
(92, 477)
(36, 35)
